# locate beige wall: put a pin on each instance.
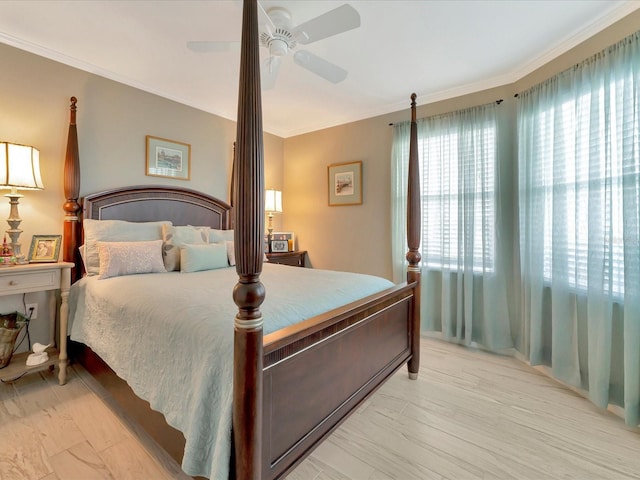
(113, 120)
(353, 238)
(357, 238)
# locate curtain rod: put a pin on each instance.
(499, 101)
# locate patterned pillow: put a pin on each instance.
(115, 231)
(194, 258)
(129, 258)
(177, 237)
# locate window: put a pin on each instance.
(579, 178)
(458, 156)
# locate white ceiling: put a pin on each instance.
(436, 48)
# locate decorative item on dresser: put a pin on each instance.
(296, 259)
(19, 170)
(45, 277)
(289, 237)
(293, 385)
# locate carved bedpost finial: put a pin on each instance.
(413, 107)
(73, 108)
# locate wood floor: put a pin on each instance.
(470, 415)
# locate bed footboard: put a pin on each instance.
(317, 374)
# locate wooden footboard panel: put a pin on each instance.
(312, 382)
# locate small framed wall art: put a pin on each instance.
(168, 158)
(345, 183)
(44, 248)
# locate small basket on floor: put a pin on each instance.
(11, 324)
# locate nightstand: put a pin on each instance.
(40, 277)
(296, 259)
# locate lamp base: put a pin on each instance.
(21, 259)
(270, 231)
(14, 226)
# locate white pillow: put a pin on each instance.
(216, 236)
(177, 237)
(129, 258)
(194, 258)
(115, 231)
(81, 249)
(231, 253)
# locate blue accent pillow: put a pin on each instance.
(208, 256)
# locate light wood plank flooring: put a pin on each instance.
(469, 415)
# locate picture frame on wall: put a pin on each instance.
(345, 183)
(45, 248)
(168, 158)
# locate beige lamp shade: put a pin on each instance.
(19, 170)
(20, 167)
(273, 201)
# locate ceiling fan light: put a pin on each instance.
(278, 48)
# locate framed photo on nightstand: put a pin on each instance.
(286, 236)
(44, 248)
(279, 246)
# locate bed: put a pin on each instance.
(329, 363)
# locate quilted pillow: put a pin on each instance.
(115, 231)
(194, 258)
(129, 258)
(177, 237)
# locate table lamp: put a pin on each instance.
(19, 170)
(272, 204)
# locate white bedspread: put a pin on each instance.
(170, 336)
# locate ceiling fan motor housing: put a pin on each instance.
(280, 41)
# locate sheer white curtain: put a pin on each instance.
(579, 196)
(463, 283)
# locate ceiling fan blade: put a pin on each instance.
(269, 72)
(320, 66)
(213, 46)
(333, 22)
(264, 21)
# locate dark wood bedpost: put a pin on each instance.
(413, 240)
(248, 294)
(72, 193)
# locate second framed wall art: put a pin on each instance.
(345, 183)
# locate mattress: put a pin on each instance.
(170, 337)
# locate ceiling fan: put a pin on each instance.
(279, 35)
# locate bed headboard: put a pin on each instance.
(146, 203)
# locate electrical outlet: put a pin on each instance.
(34, 314)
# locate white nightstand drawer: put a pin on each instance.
(32, 281)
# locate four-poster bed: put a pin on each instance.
(328, 364)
